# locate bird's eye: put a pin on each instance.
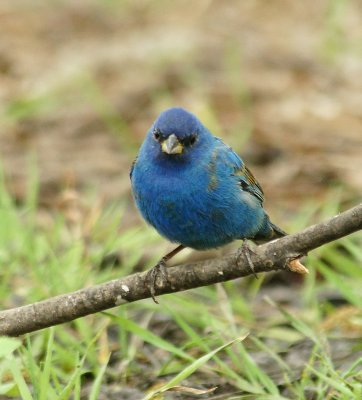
(192, 139)
(189, 140)
(157, 135)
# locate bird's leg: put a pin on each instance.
(160, 269)
(245, 250)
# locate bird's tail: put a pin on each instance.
(268, 232)
(276, 231)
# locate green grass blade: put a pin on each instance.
(333, 382)
(96, 387)
(19, 380)
(148, 336)
(44, 386)
(8, 346)
(66, 391)
(190, 369)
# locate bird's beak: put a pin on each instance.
(172, 145)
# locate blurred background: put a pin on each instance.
(280, 81)
(80, 84)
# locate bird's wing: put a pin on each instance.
(249, 183)
(246, 179)
(132, 167)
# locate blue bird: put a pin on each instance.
(194, 189)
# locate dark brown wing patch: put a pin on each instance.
(249, 183)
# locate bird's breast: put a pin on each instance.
(199, 207)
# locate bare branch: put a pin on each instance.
(272, 256)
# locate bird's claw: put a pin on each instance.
(159, 270)
(245, 251)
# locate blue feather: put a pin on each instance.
(203, 197)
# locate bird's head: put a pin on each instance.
(176, 133)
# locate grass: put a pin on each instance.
(192, 340)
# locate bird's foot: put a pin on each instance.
(245, 251)
(158, 271)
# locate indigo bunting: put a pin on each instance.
(194, 189)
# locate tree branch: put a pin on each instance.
(272, 256)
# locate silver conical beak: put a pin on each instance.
(172, 145)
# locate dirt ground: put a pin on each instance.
(80, 83)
